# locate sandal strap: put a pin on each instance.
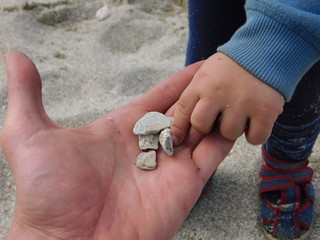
(272, 180)
(282, 165)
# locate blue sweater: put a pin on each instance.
(279, 42)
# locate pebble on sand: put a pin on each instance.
(103, 13)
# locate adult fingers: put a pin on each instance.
(165, 94)
(210, 152)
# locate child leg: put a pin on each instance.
(211, 24)
(286, 190)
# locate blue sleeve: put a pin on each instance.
(279, 42)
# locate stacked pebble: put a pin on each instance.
(152, 129)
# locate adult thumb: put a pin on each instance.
(25, 110)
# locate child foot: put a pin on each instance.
(287, 202)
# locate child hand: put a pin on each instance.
(223, 91)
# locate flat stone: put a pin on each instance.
(151, 123)
(165, 140)
(149, 141)
(147, 160)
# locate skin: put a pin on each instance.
(81, 183)
(225, 94)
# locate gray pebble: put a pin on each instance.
(151, 123)
(147, 160)
(149, 141)
(165, 140)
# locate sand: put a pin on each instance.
(90, 67)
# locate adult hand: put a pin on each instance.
(81, 183)
(223, 92)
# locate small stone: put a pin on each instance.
(151, 123)
(147, 160)
(165, 140)
(149, 141)
(103, 13)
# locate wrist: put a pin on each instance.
(280, 67)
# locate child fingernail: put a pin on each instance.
(175, 140)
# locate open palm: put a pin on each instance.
(81, 183)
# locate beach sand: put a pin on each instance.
(90, 67)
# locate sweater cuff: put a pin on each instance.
(272, 52)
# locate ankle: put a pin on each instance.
(282, 165)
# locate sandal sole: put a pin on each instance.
(270, 237)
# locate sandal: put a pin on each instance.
(287, 202)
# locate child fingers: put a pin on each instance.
(193, 139)
(259, 131)
(233, 124)
(204, 116)
(181, 117)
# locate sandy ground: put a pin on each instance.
(90, 67)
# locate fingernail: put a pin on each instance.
(175, 140)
